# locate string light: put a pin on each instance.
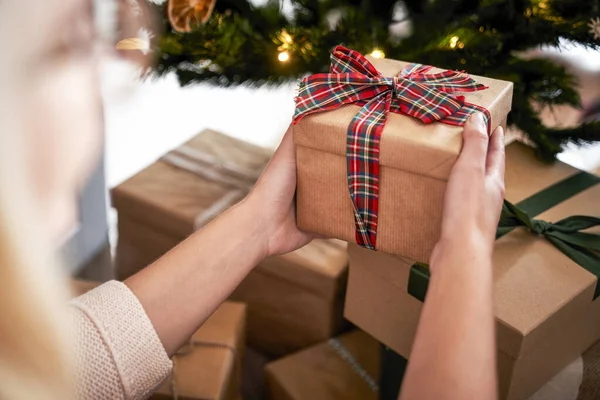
(453, 41)
(286, 37)
(377, 53)
(283, 56)
(461, 45)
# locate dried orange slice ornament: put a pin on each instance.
(184, 15)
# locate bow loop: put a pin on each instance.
(566, 235)
(345, 60)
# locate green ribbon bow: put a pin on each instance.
(566, 235)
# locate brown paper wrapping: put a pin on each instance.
(415, 160)
(170, 198)
(294, 300)
(545, 316)
(205, 371)
(320, 373)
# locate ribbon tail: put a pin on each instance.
(582, 240)
(362, 155)
(577, 223)
(584, 257)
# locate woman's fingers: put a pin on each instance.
(286, 147)
(475, 143)
(495, 155)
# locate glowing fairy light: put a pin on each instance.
(283, 56)
(377, 53)
(453, 41)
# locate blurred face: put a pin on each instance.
(48, 75)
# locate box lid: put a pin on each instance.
(321, 267)
(537, 289)
(406, 143)
(321, 373)
(169, 196)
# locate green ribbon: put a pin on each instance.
(566, 235)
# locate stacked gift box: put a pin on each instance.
(294, 300)
(545, 311)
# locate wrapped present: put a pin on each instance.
(343, 368)
(181, 192)
(209, 365)
(545, 277)
(293, 300)
(297, 299)
(376, 140)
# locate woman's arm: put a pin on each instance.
(454, 353)
(182, 289)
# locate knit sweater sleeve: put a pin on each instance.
(118, 354)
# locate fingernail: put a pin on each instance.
(476, 118)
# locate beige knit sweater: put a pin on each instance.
(118, 354)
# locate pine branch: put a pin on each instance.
(241, 44)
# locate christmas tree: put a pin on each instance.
(242, 43)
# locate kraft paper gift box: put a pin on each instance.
(209, 366)
(343, 368)
(183, 191)
(415, 162)
(293, 300)
(545, 306)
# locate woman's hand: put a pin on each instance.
(454, 345)
(475, 192)
(272, 202)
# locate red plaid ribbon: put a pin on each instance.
(353, 79)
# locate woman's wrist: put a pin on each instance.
(459, 251)
(250, 215)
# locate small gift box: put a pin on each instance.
(376, 140)
(343, 368)
(545, 277)
(293, 300)
(209, 365)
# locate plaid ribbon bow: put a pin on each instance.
(352, 79)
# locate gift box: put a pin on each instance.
(181, 192)
(546, 309)
(396, 163)
(343, 368)
(293, 300)
(296, 300)
(209, 365)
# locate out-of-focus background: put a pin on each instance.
(237, 73)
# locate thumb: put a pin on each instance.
(475, 143)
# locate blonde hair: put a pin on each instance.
(34, 362)
(33, 356)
